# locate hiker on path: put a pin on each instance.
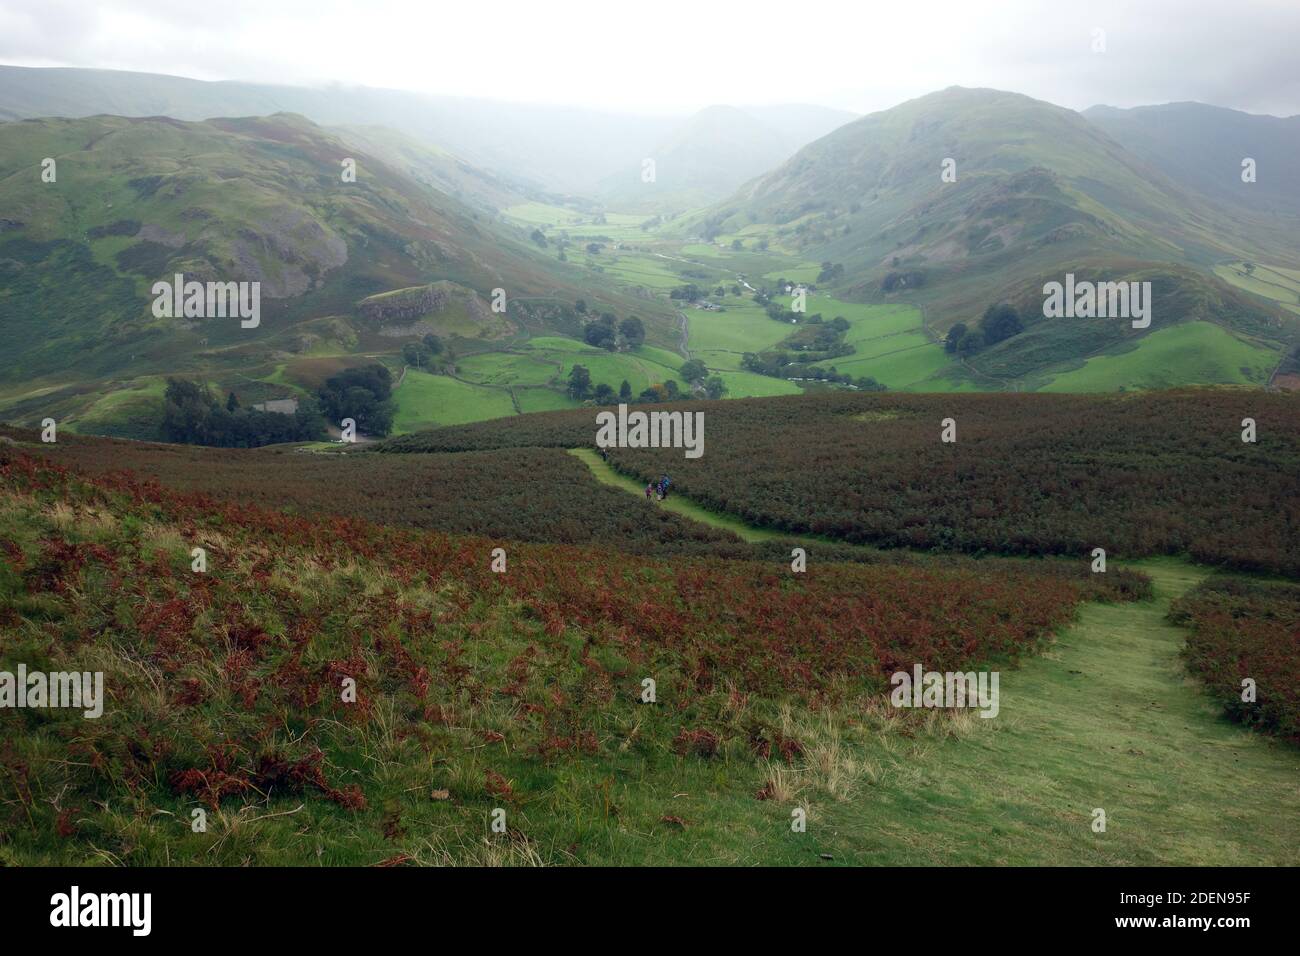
(648, 489)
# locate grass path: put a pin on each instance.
(605, 474)
(1103, 719)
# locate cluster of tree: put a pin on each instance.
(816, 335)
(193, 416)
(695, 373)
(425, 353)
(785, 365)
(582, 388)
(363, 394)
(689, 293)
(831, 272)
(607, 332)
(998, 323)
(782, 283)
(711, 228)
(778, 312)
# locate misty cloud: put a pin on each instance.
(676, 56)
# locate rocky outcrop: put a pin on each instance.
(403, 305)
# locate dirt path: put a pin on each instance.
(605, 474)
(685, 330)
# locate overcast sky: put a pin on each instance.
(675, 56)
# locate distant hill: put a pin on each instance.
(1038, 191)
(236, 200)
(553, 149)
(713, 152)
(1202, 147)
(439, 169)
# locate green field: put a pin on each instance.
(615, 367)
(428, 401)
(742, 384)
(707, 250)
(1280, 284)
(889, 343)
(719, 339)
(538, 373)
(639, 269)
(576, 224)
(800, 272)
(508, 368)
(543, 400)
(1193, 351)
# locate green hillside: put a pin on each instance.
(1036, 191)
(135, 201)
(352, 271)
(1203, 147)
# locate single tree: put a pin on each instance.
(693, 371)
(954, 337)
(1000, 322)
(633, 331)
(579, 382)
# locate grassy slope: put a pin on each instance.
(1104, 719)
(74, 347)
(867, 196)
(1201, 351)
(1273, 282)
